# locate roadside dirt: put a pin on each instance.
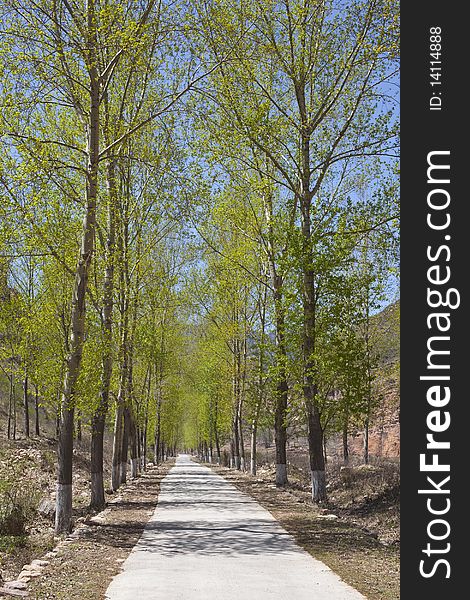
(31, 464)
(339, 539)
(87, 560)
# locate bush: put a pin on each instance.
(18, 500)
(10, 543)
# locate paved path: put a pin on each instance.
(208, 541)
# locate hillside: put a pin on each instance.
(385, 424)
(384, 433)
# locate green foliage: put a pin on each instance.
(9, 543)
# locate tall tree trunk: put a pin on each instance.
(133, 447)
(14, 411)
(134, 452)
(133, 428)
(125, 445)
(240, 436)
(130, 432)
(235, 442)
(36, 409)
(146, 420)
(11, 402)
(282, 388)
(280, 429)
(118, 442)
(253, 441)
(158, 442)
(369, 381)
(63, 518)
(159, 373)
(242, 378)
(315, 431)
(59, 396)
(345, 440)
(216, 431)
(119, 466)
(121, 397)
(366, 441)
(99, 416)
(144, 444)
(217, 447)
(79, 427)
(260, 397)
(26, 405)
(211, 426)
(139, 438)
(158, 424)
(97, 499)
(316, 452)
(65, 445)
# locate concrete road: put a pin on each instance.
(208, 541)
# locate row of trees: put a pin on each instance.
(299, 129)
(225, 174)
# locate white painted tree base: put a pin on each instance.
(97, 489)
(116, 477)
(63, 514)
(318, 485)
(123, 472)
(134, 471)
(281, 474)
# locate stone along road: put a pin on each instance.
(208, 541)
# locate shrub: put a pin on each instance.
(18, 499)
(9, 544)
